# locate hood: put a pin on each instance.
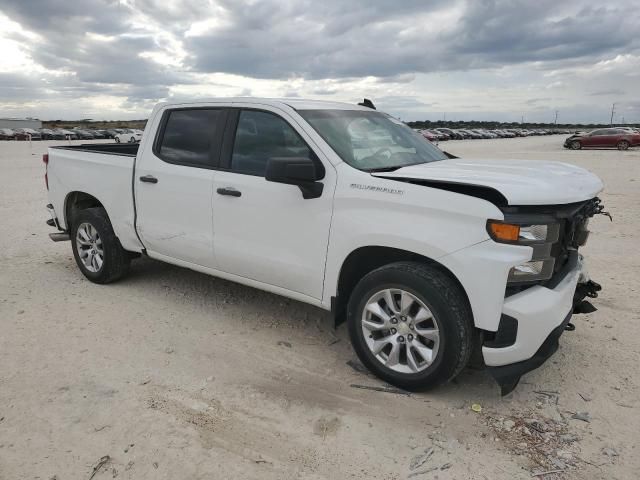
(521, 182)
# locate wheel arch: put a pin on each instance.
(76, 201)
(365, 259)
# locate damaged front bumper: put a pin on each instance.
(533, 320)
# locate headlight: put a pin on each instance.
(539, 236)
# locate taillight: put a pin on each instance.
(45, 160)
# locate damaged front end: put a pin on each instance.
(565, 283)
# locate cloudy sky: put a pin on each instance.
(417, 59)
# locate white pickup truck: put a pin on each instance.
(428, 258)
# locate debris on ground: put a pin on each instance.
(584, 397)
(476, 407)
(397, 391)
(358, 367)
(584, 416)
(419, 460)
(101, 463)
(544, 441)
(284, 344)
(422, 472)
(610, 452)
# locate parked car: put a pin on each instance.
(129, 136)
(452, 134)
(618, 138)
(428, 259)
(48, 134)
(7, 134)
(26, 134)
(67, 134)
(83, 134)
(429, 135)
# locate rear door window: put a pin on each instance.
(191, 137)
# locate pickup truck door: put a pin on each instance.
(174, 184)
(266, 231)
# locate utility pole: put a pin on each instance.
(613, 109)
(522, 119)
(556, 119)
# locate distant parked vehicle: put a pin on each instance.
(429, 135)
(66, 134)
(453, 135)
(83, 134)
(7, 134)
(619, 138)
(27, 134)
(129, 136)
(48, 134)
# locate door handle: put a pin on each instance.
(232, 192)
(149, 179)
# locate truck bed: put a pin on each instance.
(103, 171)
(128, 149)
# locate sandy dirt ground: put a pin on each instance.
(171, 374)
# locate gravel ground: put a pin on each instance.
(171, 374)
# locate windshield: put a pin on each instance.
(371, 140)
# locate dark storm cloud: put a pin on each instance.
(109, 57)
(385, 39)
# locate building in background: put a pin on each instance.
(20, 123)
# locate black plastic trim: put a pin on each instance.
(508, 376)
(506, 334)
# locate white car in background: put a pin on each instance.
(129, 136)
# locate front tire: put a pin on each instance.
(132, 140)
(117, 139)
(411, 325)
(623, 145)
(96, 248)
(576, 145)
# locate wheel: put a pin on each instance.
(132, 140)
(411, 325)
(96, 248)
(117, 139)
(575, 145)
(623, 145)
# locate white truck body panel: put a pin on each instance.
(107, 177)
(518, 180)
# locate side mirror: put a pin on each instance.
(299, 171)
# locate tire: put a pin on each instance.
(623, 145)
(117, 139)
(575, 145)
(115, 260)
(132, 140)
(451, 316)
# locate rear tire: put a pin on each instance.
(97, 250)
(623, 145)
(430, 325)
(117, 139)
(575, 145)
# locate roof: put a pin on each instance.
(295, 103)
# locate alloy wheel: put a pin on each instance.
(89, 245)
(400, 331)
